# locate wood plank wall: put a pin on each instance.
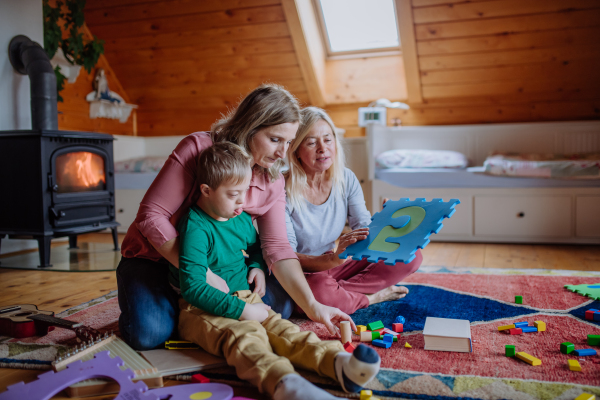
(185, 62)
(501, 61)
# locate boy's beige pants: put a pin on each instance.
(262, 353)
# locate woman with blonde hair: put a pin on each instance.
(322, 194)
(263, 124)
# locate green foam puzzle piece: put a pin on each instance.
(415, 215)
(590, 290)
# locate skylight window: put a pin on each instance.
(359, 25)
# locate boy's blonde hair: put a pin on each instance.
(295, 177)
(267, 105)
(221, 163)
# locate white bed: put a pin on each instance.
(495, 209)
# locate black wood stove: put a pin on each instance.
(52, 183)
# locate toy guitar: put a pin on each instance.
(25, 320)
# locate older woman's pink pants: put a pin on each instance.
(347, 285)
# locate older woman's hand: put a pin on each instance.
(350, 238)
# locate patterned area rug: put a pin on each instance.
(483, 296)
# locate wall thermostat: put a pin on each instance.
(372, 115)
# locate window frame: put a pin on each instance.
(362, 53)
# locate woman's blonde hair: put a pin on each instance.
(295, 177)
(265, 106)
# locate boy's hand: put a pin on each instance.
(255, 312)
(257, 276)
(216, 281)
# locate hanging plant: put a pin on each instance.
(76, 50)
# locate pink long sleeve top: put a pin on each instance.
(175, 189)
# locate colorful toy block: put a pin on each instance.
(199, 378)
(399, 320)
(585, 396)
(521, 324)
(391, 332)
(509, 350)
(368, 336)
(388, 338)
(567, 347)
(407, 345)
(515, 331)
(589, 315)
(373, 326)
(529, 359)
(597, 316)
(359, 329)
(528, 329)
(381, 343)
(506, 327)
(397, 327)
(346, 331)
(574, 365)
(540, 325)
(593, 340)
(585, 352)
(519, 299)
(349, 347)
(366, 394)
(400, 229)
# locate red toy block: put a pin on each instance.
(398, 327)
(349, 347)
(515, 331)
(589, 315)
(199, 378)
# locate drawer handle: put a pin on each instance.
(520, 215)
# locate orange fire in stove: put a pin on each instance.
(80, 171)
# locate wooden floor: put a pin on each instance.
(58, 291)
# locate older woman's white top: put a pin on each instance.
(313, 229)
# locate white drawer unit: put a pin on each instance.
(588, 216)
(523, 216)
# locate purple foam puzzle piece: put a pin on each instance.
(212, 391)
(101, 366)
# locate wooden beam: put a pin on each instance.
(498, 8)
(503, 25)
(301, 20)
(409, 51)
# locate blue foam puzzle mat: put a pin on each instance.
(409, 233)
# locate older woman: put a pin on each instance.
(321, 195)
(264, 124)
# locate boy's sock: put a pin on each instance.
(357, 369)
(295, 387)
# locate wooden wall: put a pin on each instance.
(502, 61)
(185, 62)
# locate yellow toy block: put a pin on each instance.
(574, 365)
(529, 359)
(408, 346)
(541, 325)
(366, 395)
(506, 327)
(585, 396)
(359, 329)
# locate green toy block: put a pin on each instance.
(594, 340)
(373, 326)
(519, 299)
(567, 347)
(509, 350)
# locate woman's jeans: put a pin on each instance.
(149, 305)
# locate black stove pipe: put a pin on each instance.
(29, 58)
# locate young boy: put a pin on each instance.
(238, 325)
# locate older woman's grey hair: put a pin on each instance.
(296, 181)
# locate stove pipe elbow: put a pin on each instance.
(29, 58)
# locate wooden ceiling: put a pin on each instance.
(184, 62)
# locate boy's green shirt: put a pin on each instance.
(206, 243)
